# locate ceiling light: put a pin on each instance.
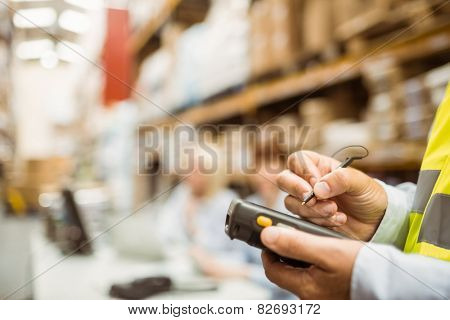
(34, 18)
(33, 49)
(74, 21)
(86, 4)
(69, 51)
(49, 59)
(27, 0)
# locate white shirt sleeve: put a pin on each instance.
(393, 229)
(384, 272)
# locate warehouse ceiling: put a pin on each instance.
(44, 29)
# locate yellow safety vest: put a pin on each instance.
(429, 224)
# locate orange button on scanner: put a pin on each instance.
(264, 221)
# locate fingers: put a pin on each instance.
(326, 208)
(293, 184)
(314, 169)
(310, 165)
(324, 213)
(303, 165)
(299, 245)
(337, 220)
(284, 276)
(343, 180)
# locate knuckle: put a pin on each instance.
(288, 203)
(281, 178)
(305, 212)
(287, 200)
(325, 209)
(269, 274)
(298, 190)
(318, 221)
(305, 294)
(329, 222)
(309, 153)
(291, 244)
(305, 215)
(291, 160)
(309, 288)
(295, 160)
(343, 176)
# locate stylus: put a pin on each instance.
(343, 164)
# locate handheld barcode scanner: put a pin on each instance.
(246, 220)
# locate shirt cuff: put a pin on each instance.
(393, 229)
(383, 272)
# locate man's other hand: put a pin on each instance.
(332, 261)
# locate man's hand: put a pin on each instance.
(330, 275)
(347, 199)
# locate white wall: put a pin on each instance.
(45, 97)
(40, 96)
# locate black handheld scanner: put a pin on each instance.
(246, 220)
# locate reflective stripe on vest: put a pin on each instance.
(429, 221)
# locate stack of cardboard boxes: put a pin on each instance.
(198, 62)
(396, 123)
(275, 39)
(384, 109)
(353, 16)
(421, 97)
(417, 113)
(282, 31)
(42, 175)
(317, 27)
(332, 122)
(403, 108)
(315, 114)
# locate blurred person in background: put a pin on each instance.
(192, 219)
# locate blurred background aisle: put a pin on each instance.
(82, 81)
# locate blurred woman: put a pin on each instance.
(193, 218)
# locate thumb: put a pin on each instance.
(299, 245)
(342, 180)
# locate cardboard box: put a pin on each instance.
(41, 175)
(286, 36)
(353, 17)
(39, 172)
(276, 37)
(260, 38)
(417, 113)
(346, 10)
(317, 25)
(383, 117)
(314, 114)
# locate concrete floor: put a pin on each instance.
(15, 257)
